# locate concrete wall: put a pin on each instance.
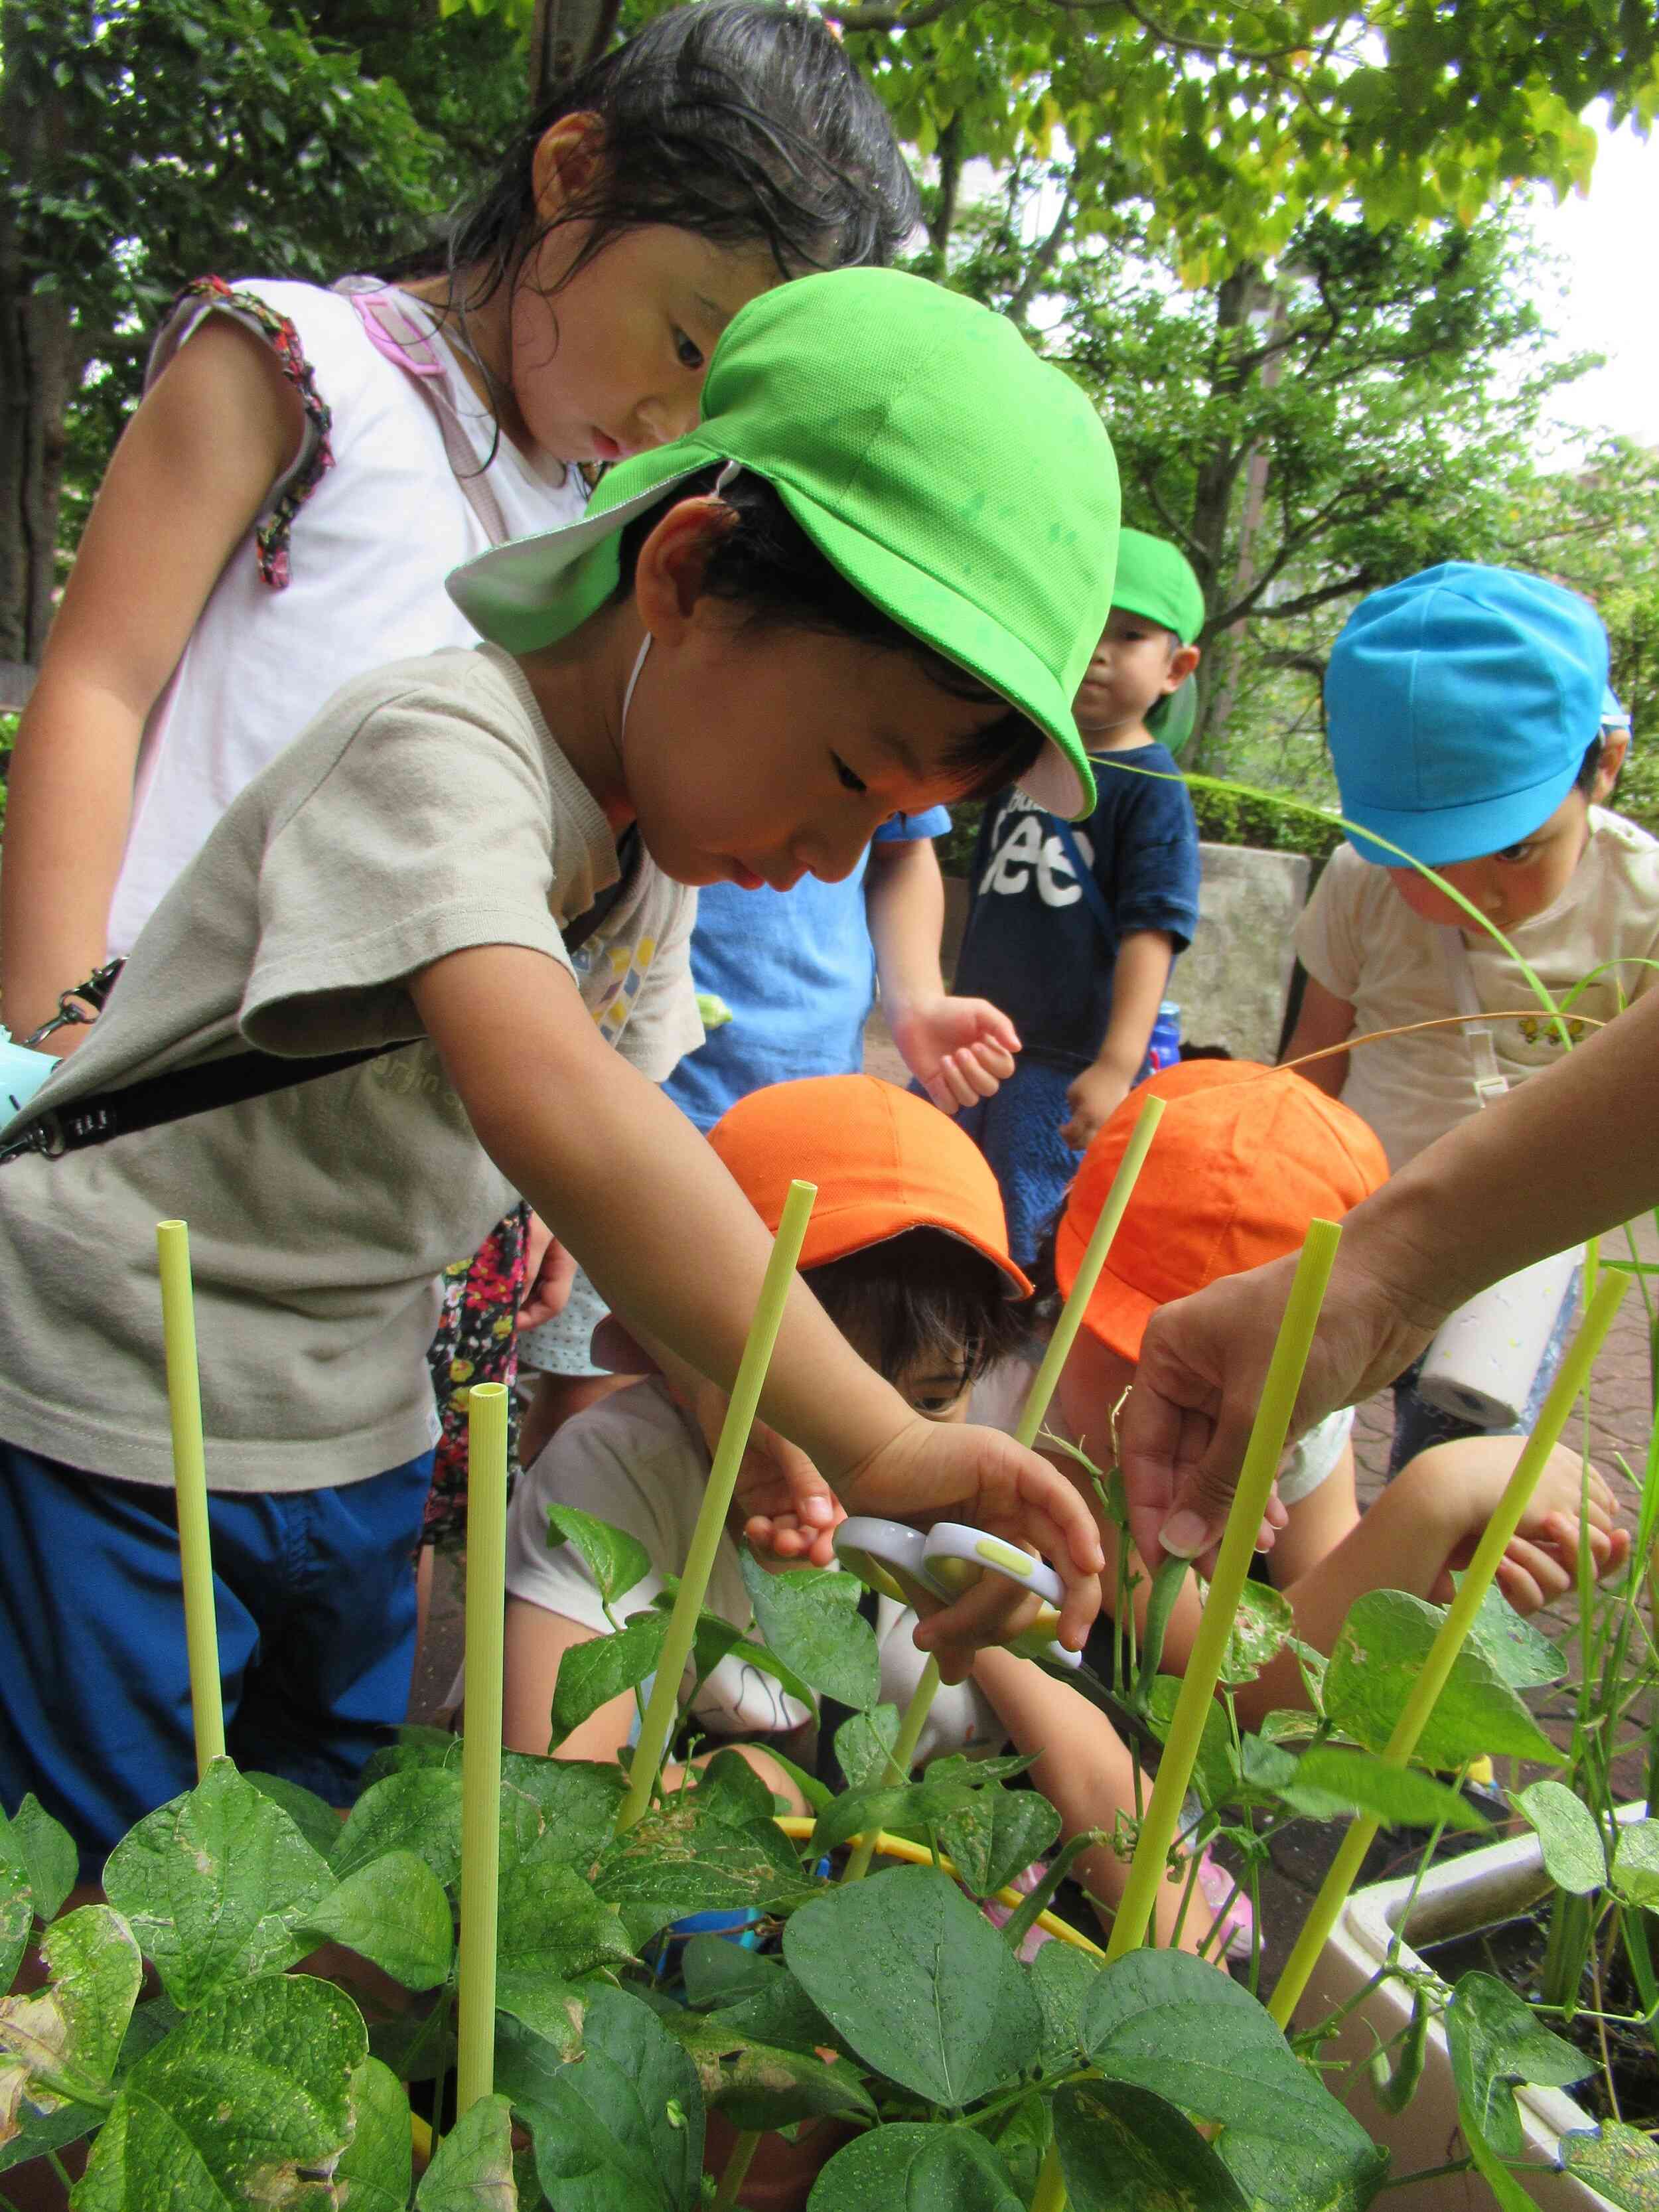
(1231, 981)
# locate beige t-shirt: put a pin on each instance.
(1359, 939)
(426, 810)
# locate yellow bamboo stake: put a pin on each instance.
(480, 1750)
(664, 1704)
(1255, 1480)
(1454, 1631)
(190, 1484)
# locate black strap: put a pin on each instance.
(1093, 897)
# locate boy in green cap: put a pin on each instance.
(1072, 931)
(436, 954)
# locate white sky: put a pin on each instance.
(1605, 243)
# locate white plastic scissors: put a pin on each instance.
(941, 1562)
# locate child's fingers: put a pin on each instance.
(1546, 1577)
(1518, 1586)
(993, 1610)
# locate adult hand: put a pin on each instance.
(960, 1050)
(549, 1272)
(1182, 1435)
(931, 1471)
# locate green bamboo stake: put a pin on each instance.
(1255, 1480)
(1088, 1274)
(1035, 1407)
(660, 1713)
(190, 1484)
(481, 1747)
(1442, 1653)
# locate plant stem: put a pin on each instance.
(190, 1486)
(904, 1751)
(1088, 1273)
(738, 2163)
(1442, 1654)
(1026, 1915)
(663, 1706)
(481, 1747)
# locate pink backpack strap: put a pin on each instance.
(396, 327)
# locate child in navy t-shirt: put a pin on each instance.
(1073, 927)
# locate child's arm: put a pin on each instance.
(1086, 1771)
(190, 475)
(671, 1242)
(1141, 975)
(958, 1049)
(1324, 1020)
(536, 1640)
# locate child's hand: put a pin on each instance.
(780, 1500)
(1093, 1097)
(930, 1472)
(1540, 1561)
(549, 1272)
(960, 1050)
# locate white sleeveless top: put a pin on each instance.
(365, 526)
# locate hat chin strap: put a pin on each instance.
(628, 696)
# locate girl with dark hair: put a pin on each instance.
(307, 465)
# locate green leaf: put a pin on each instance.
(998, 1834)
(472, 2170)
(551, 2007)
(809, 1617)
(560, 1808)
(16, 1905)
(215, 1886)
(1064, 1979)
(1379, 1654)
(415, 1809)
(245, 2101)
(918, 1982)
(50, 1861)
(1575, 1857)
(910, 2167)
(549, 1921)
(1636, 1863)
(1124, 2148)
(1215, 1770)
(682, 1858)
(1330, 1779)
(731, 1790)
(1520, 1653)
(864, 1746)
(764, 2086)
(318, 1822)
(758, 1997)
(376, 2166)
(900, 1806)
(1261, 1627)
(616, 1560)
(59, 2045)
(714, 1971)
(395, 1911)
(1496, 2041)
(592, 1674)
(621, 2130)
(1618, 2160)
(1168, 2023)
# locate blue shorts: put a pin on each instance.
(315, 1592)
(1017, 1129)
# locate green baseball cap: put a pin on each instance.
(1155, 581)
(963, 484)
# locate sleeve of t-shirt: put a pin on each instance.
(620, 1464)
(906, 829)
(1151, 877)
(1327, 931)
(428, 834)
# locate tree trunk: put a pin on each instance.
(566, 35)
(39, 363)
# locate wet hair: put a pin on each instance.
(744, 124)
(923, 1294)
(767, 565)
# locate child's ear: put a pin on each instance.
(566, 163)
(1182, 661)
(674, 562)
(1615, 744)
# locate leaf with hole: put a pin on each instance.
(809, 1617)
(1377, 1663)
(1496, 2042)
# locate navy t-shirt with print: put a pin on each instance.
(1034, 945)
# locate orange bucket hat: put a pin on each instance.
(883, 1160)
(1243, 1159)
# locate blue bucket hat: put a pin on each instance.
(1460, 705)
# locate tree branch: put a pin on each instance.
(1042, 261)
(865, 18)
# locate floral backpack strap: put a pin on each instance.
(271, 533)
(397, 329)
